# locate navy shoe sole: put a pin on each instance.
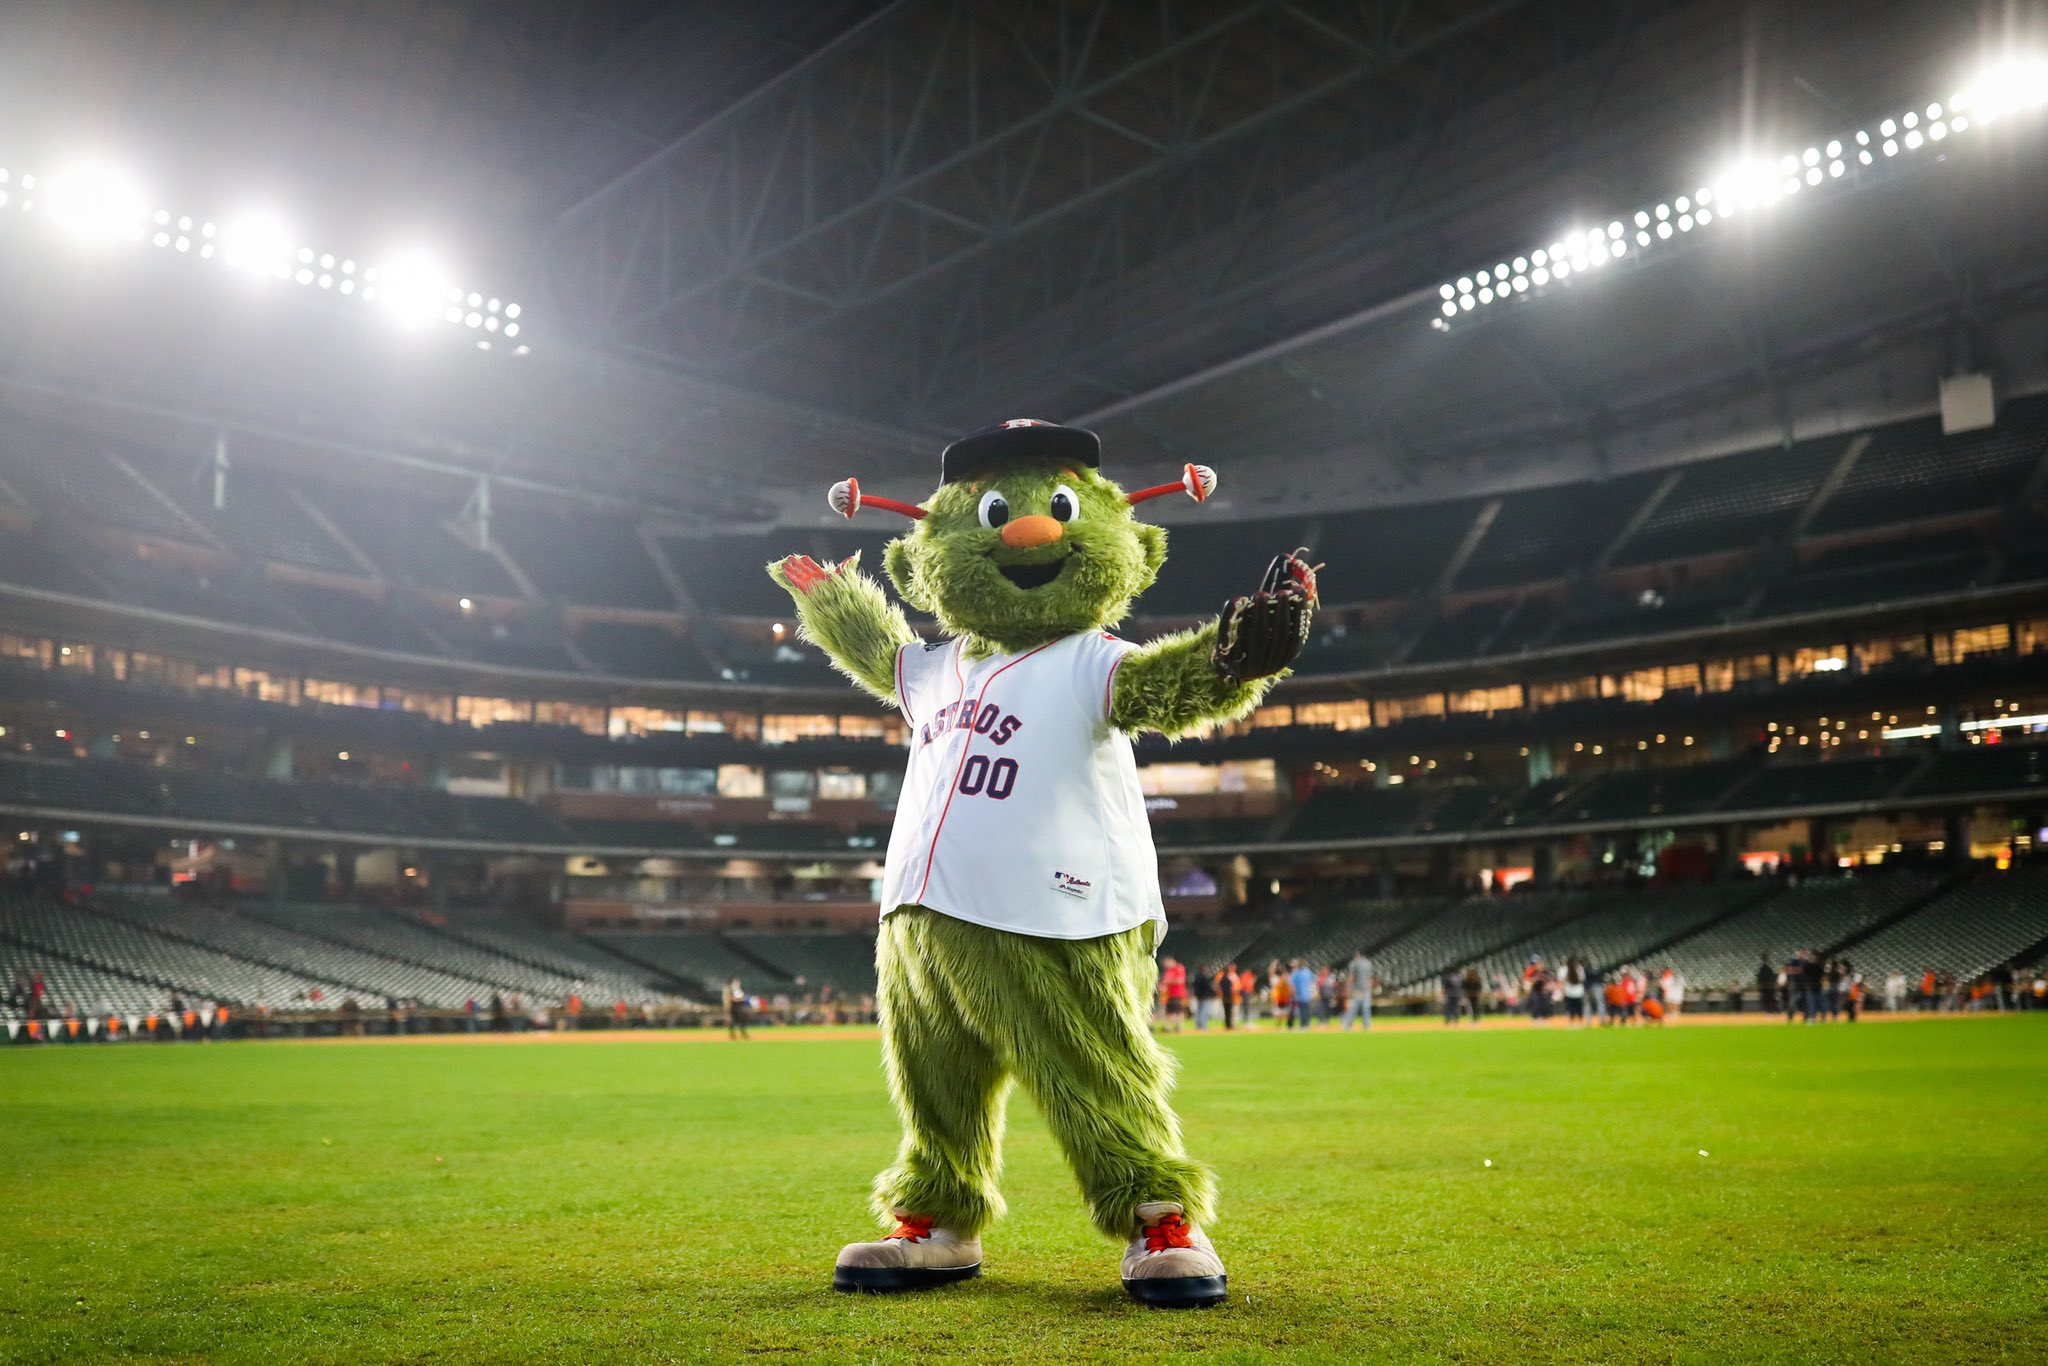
(1180, 1292)
(894, 1280)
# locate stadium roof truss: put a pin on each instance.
(944, 171)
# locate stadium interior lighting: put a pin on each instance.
(2008, 723)
(94, 202)
(2014, 84)
(410, 288)
(2010, 85)
(259, 244)
(98, 202)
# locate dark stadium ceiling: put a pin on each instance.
(767, 244)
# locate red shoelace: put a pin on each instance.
(912, 1226)
(1169, 1230)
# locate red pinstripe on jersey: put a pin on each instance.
(931, 854)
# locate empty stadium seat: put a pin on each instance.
(1966, 932)
(1817, 915)
(1733, 502)
(1467, 931)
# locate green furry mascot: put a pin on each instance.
(1021, 900)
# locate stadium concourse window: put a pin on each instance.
(491, 711)
(1335, 715)
(438, 705)
(782, 730)
(1557, 692)
(1888, 650)
(1487, 701)
(579, 715)
(741, 780)
(888, 729)
(1812, 659)
(27, 649)
(1195, 780)
(667, 782)
(265, 687)
(792, 785)
(333, 694)
(78, 658)
(624, 721)
(842, 785)
(1391, 710)
(1647, 685)
(1726, 675)
(1952, 647)
(2032, 637)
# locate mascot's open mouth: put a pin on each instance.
(1033, 575)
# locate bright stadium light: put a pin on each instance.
(98, 202)
(411, 288)
(258, 244)
(2011, 86)
(95, 202)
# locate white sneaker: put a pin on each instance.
(1171, 1264)
(914, 1256)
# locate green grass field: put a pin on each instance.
(1867, 1193)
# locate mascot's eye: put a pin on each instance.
(1066, 507)
(995, 509)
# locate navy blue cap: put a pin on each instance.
(1021, 440)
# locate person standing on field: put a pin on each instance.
(1814, 977)
(1173, 993)
(1358, 977)
(1203, 987)
(1573, 987)
(1302, 980)
(1474, 992)
(1229, 990)
(1451, 987)
(735, 1010)
(1674, 991)
(1894, 992)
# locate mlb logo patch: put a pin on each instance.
(1066, 884)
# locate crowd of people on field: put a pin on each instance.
(1292, 994)
(1577, 991)
(1809, 987)
(1295, 994)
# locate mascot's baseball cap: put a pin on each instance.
(1020, 440)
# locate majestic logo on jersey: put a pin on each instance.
(987, 719)
(1026, 422)
(1066, 884)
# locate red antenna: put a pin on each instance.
(1196, 481)
(847, 499)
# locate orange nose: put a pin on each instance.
(1030, 531)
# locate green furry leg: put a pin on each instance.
(1071, 1020)
(949, 1088)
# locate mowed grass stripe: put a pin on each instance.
(1867, 1193)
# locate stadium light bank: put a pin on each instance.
(99, 204)
(2011, 86)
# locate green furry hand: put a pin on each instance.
(845, 613)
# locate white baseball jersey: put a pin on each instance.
(1020, 807)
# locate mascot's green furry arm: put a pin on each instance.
(1020, 898)
(845, 613)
